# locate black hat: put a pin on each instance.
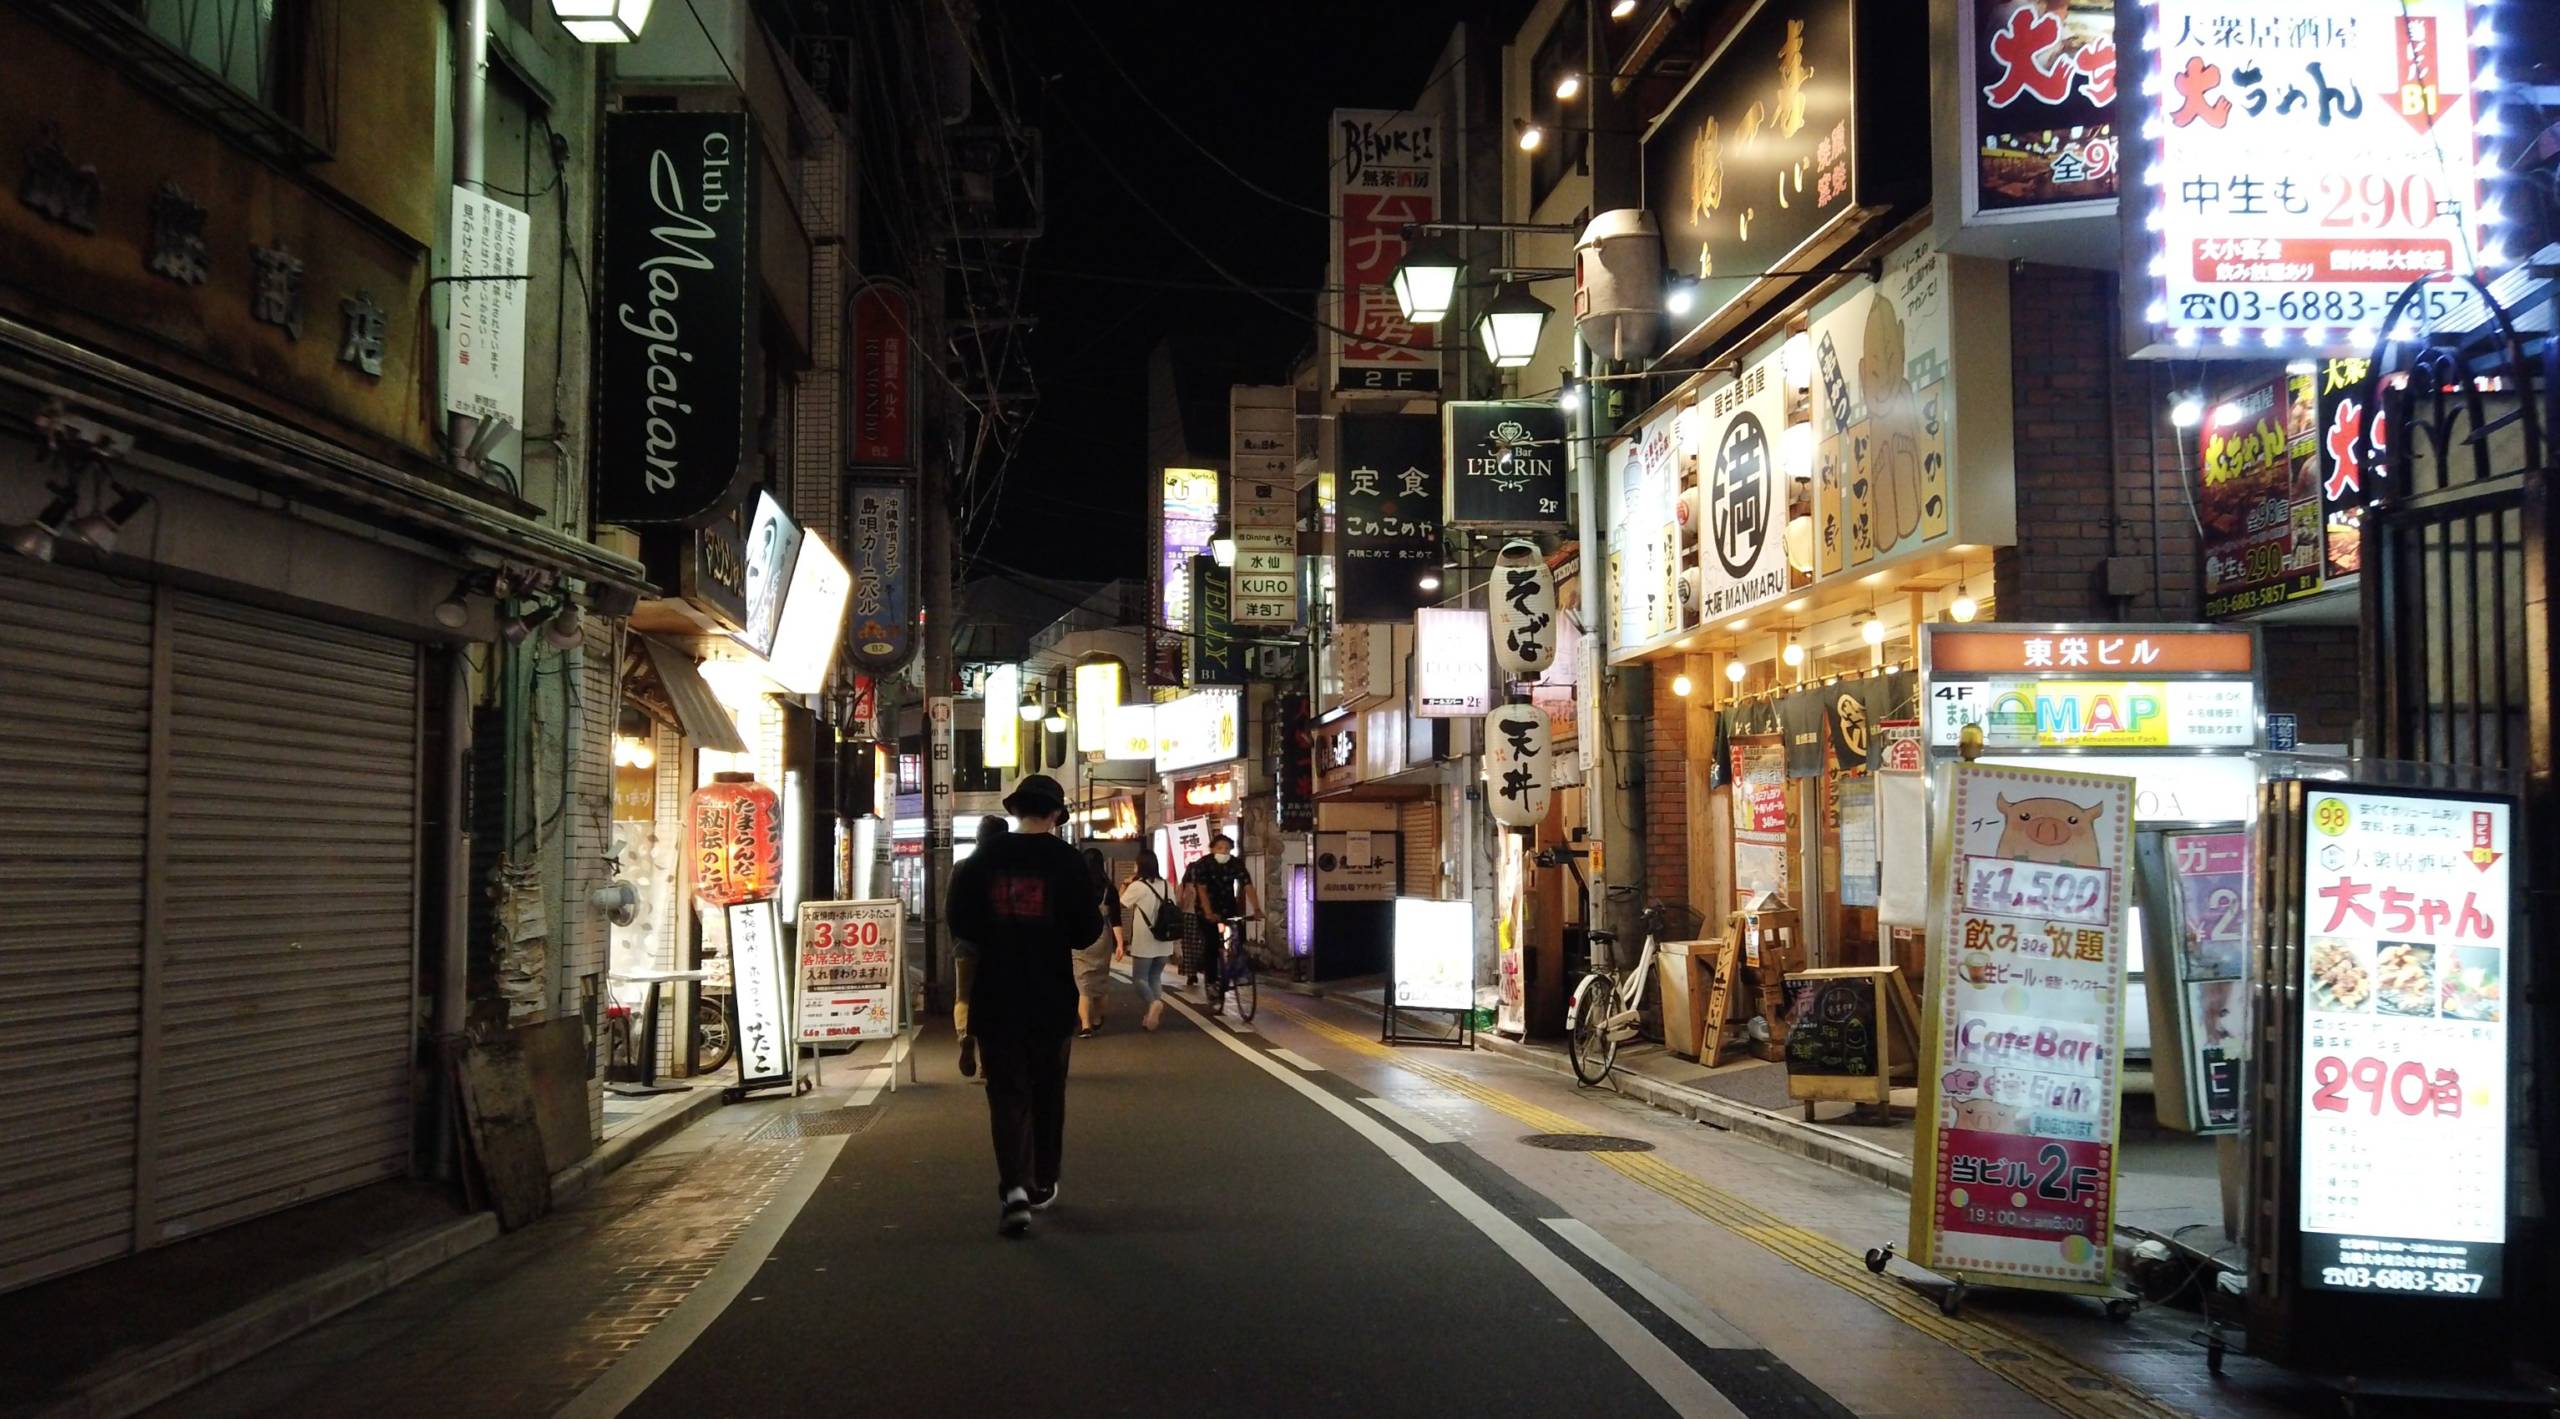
(1036, 794)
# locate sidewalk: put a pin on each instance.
(117, 1338)
(2167, 1186)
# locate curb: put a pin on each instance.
(242, 1334)
(190, 1359)
(593, 1168)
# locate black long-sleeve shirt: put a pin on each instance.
(1026, 901)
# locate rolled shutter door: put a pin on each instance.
(1419, 825)
(75, 726)
(291, 915)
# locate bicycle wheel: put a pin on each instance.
(1240, 985)
(1589, 1044)
(711, 1032)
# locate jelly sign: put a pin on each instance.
(2406, 910)
(2024, 1053)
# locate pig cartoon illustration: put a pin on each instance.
(2054, 830)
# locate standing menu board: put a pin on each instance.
(852, 957)
(2405, 912)
(2196, 888)
(2023, 1054)
(1851, 1032)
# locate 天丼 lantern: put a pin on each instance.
(735, 831)
(1518, 765)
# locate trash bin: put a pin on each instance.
(1683, 1005)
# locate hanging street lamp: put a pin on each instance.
(1509, 327)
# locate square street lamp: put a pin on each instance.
(1426, 281)
(602, 21)
(1509, 327)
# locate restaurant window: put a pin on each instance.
(1559, 54)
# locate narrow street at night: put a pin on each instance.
(1285, 1218)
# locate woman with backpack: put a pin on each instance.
(1154, 918)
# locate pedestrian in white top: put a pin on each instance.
(1154, 926)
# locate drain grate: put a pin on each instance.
(1587, 1143)
(816, 1123)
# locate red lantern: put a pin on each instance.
(736, 839)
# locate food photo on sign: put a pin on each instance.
(2023, 1055)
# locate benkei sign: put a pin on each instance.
(2304, 161)
(2406, 907)
(1386, 177)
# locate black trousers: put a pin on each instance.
(1026, 1071)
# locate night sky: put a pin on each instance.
(1253, 84)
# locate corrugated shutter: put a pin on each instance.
(1419, 825)
(290, 913)
(75, 728)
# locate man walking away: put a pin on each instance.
(1026, 901)
(964, 958)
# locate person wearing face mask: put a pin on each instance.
(1224, 893)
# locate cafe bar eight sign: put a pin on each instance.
(2297, 163)
(2406, 911)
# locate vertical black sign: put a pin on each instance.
(1387, 538)
(672, 318)
(1506, 463)
(1216, 659)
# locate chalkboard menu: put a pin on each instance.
(1831, 1025)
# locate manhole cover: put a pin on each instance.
(1587, 1143)
(816, 1123)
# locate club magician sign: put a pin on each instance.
(672, 323)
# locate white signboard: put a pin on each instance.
(484, 334)
(1264, 580)
(2307, 160)
(1133, 733)
(1452, 662)
(1519, 765)
(1644, 548)
(1435, 954)
(2406, 915)
(937, 808)
(1201, 728)
(1744, 492)
(852, 959)
(1356, 867)
(804, 645)
(759, 994)
(1000, 717)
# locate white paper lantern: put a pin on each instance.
(1523, 595)
(1518, 764)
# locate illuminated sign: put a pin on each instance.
(1452, 662)
(1133, 733)
(2306, 160)
(772, 539)
(1435, 954)
(2097, 714)
(2039, 106)
(2156, 652)
(1190, 523)
(999, 722)
(1206, 795)
(850, 963)
(1198, 729)
(1097, 695)
(2406, 915)
(2020, 1079)
(804, 648)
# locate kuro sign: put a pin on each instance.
(1506, 463)
(671, 347)
(1388, 534)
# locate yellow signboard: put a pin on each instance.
(2090, 714)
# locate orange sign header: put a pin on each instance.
(2093, 649)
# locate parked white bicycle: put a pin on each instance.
(1608, 1007)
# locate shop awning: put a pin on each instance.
(698, 712)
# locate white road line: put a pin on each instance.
(1297, 1061)
(873, 1081)
(1684, 1389)
(657, 1351)
(1412, 1122)
(1667, 1297)
(1237, 1027)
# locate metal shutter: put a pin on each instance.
(75, 729)
(291, 913)
(1419, 824)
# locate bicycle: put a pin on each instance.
(1232, 972)
(1606, 1008)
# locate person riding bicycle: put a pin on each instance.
(1225, 893)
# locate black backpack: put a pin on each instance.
(1165, 922)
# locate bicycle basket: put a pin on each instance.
(1672, 921)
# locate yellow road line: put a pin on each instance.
(2031, 1364)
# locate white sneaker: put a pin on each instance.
(1016, 1217)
